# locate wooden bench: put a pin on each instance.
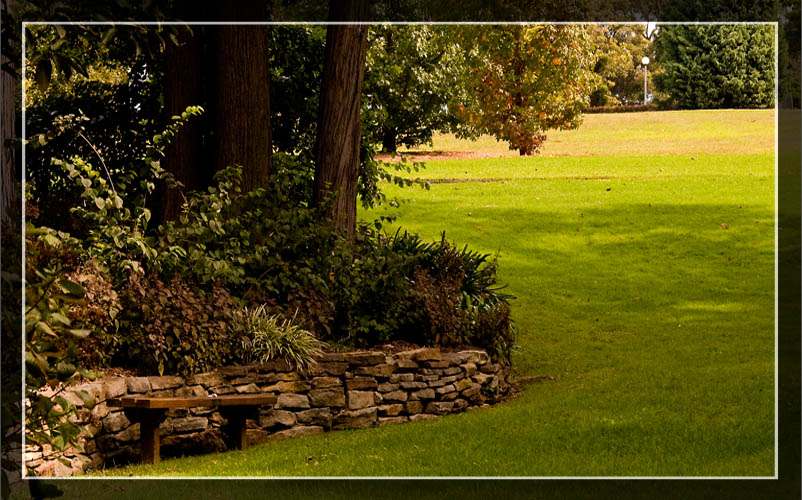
(149, 413)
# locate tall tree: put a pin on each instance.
(716, 66)
(225, 69)
(241, 102)
(184, 87)
(412, 72)
(8, 146)
(340, 126)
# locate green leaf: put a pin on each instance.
(100, 202)
(87, 399)
(80, 333)
(63, 403)
(60, 318)
(72, 288)
(65, 370)
(45, 328)
(51, 240)
(45, 404)
(44, 71)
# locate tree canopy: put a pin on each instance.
(412, 72)
(619, 49)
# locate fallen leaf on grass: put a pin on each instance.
(724, 225)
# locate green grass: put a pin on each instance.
(649, 133)
(655, 322)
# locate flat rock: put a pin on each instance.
(165, 382)
(462, 384)
(315, 416)
(288, 386)
(359, 399)
(191, 391)
(475, 356)
(422, 416)
(277, 417)
(327, 397)
(439, 407)
(209, 379)
(391, 420)
(365, 358)
(356, 419)
(114, 386)
(384, 370)
(292, 401)
(330, 368)
(298, 431)
(397, 396)
(138, 385)
(115, 422)
(189, 424)
(247, 389)
(324, 382)
(422, 354)
(413, 407)
(357, 383)
(422, 394)
(391, 410)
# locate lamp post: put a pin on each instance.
(645, 62)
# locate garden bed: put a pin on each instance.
(342, 391)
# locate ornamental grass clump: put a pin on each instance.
(269, 336)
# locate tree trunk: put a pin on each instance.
(242, 102)
(8, 144)
(223, 68)
(340, 126)
(389, 140)
(183, 156)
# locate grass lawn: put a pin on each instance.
(648, 133)
(644, 278)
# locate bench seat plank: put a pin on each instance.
(211, 401)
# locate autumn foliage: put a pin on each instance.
(525, 80)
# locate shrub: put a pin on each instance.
(268, 337)
(175, 328)
(98, 313)
(435, 311)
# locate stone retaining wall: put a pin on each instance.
(344, 390)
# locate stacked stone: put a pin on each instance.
(343, 390)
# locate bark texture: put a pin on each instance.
(225, 69)
(8, 144)
(340, 127)
(183, 156)
(242, 102)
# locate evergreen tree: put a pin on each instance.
(716, 66)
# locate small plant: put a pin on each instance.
(271, 337)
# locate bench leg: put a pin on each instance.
(236, 425)
(149, 421)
